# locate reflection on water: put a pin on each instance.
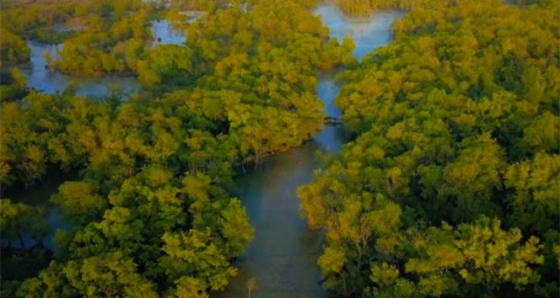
(38, 195)
(327, 91)
(368, 33)
(164, 33)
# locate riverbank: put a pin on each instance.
(282, 258)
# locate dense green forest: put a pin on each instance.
(449, 186)
(149, 208)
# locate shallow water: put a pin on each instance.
(283, 253)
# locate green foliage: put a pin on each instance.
(363, 8)
(454, 125)
(534, 197)
(79, 203)
(150, 168)
(98, 36)
(164, 63)
(186, 255)
(13, 86)
(13, 49)
(263, 69)
(107, 275)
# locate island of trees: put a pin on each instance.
(448, 187)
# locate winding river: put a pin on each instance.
(282, 257)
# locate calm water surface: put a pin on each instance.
(283, 255)
(368, 33)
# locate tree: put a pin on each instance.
(191, 253)
(533, 195)
(452, 123)
(13, 50)
(79, 202)
(107, 275)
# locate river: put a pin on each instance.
(282, 258)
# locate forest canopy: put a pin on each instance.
(450, 187)
(149, 205)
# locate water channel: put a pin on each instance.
(282, 257)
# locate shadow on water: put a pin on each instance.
(368, 32)
(38, 195)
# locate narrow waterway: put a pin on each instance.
(283, 255)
